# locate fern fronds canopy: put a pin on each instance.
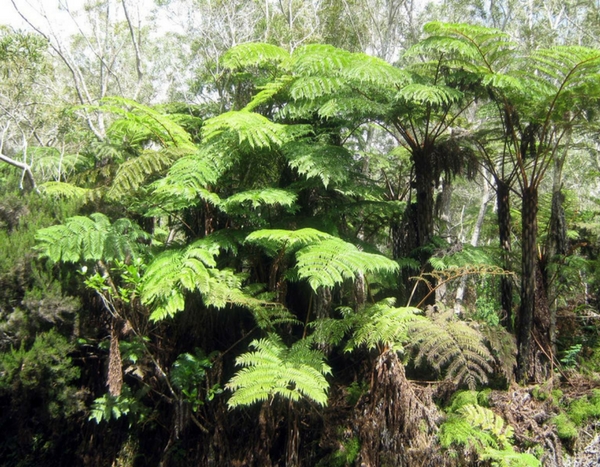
(273, 369)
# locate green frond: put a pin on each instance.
(134, 172)
(383, 324)
(351, 107)
(431, 95)
(258, 198)
(144, 123)
(268, 91)
(327, 162)
(64, 190)
(366, 69)
(319, 60)
(275, 240)
(332, 261)
(90, 238)
(247, 127)
(253, 54)
(447, 343)
(313, 87)
(274, 369)
(187, 182)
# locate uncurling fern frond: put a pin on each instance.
(273, 369)
(447, 343)
(90, 238)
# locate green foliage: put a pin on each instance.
(480, 430)
(382, 323)
(581, 410)
(188, 373)
(90, 238)
(274, 369)
(44, 371)
(258, 198)
(109, 407)
(457, 347)
(565, 428)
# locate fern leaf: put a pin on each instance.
(258, 198)
(64, 190)
(332, 261)
(313, 160)
(319, 60)
(448, 343)
(268, 91)
(132, 173)
(248, 127)
(254, 54)
(382, 323)
(425, 94)
(89, 238)
(275, 240)
(274, 369)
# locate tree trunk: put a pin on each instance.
(528, 282)
(504, 223)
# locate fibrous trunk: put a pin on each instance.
(504, 223)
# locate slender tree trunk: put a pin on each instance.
(528, 282)
(504, 223)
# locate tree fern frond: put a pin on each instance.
(258, 198)
(275, 240)
(248, 127)
(89, 238)
(450, 344)
(315, 160)
(366, 69)
(383, 324)
(187, 182)
(274, 369)
(65, 190)
(132, 173)
(159, 127)
(312, 87)
(432, 95)
(253, 54)
(319, 60)
(332, 261)
(268, 91)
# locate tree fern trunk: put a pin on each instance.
(504, 223)
(528, 281)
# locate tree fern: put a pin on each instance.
(90, 238)
(65, 190)
(273, 369)
(449, 344)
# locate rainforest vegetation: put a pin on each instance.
(300, 233)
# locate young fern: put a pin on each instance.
(273, 369)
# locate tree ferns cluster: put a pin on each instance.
(287, 261)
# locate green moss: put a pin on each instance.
(565, 428)
(581, 410)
